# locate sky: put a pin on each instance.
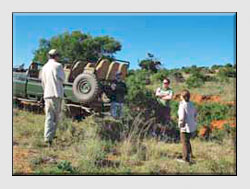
(175, 39)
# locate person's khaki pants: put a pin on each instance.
(52, 117)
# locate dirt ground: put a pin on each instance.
(206, 98)
(20, 159)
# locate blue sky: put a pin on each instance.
(177, 40)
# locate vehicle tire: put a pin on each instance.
(85, 87)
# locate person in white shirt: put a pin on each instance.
(52, 77)
(187, 123)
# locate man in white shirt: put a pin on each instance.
(52, 77)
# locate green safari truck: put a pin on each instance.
(86, 86)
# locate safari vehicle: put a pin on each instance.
(86, 86)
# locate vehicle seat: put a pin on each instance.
(102, 69)
(34, 73)
(123, 69)
(66, 72)
(33, 70)
(113, 68)
(76, 70)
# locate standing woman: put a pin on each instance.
(187, 124)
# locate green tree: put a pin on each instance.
(138, 94)
(229, 65)
(77, 45)
(150, 63)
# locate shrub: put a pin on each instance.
(225, 73)
(178, 77)
(110, 129)
(186, 70)
(214, 111)
(160, 75)
(215, 67)
(65, 166)
(195, 81)
(138, 94)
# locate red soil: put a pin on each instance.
(201, 98)
(206, 98)
(216, 124)
(219, 124)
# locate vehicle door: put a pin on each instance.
(19, 84)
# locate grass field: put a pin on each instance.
(107, 146)
(80, 149)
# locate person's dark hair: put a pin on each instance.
(186, 95)
(168, 80)
(53, 56)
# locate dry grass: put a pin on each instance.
(78, 149)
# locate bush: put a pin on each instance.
(214, 111)
(66, 167)
(194, 81)
(215, 67)
(178, 76)
(225, 73)
(191, 69)
(138, 94)
(110, 129)
(160, 75)
(197, 79)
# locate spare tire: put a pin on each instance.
(85, 87)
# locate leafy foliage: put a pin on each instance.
(214, 111)
(195, 80)
(192, 69)
(65, 166)
(138, 94)
(160, 75)
(150, 63)
(215, 67)
(178, 76)
(77, 45)
(226, 72)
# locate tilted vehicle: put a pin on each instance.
(86, 86)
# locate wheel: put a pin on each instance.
(85, 87)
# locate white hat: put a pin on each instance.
(53, 52)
